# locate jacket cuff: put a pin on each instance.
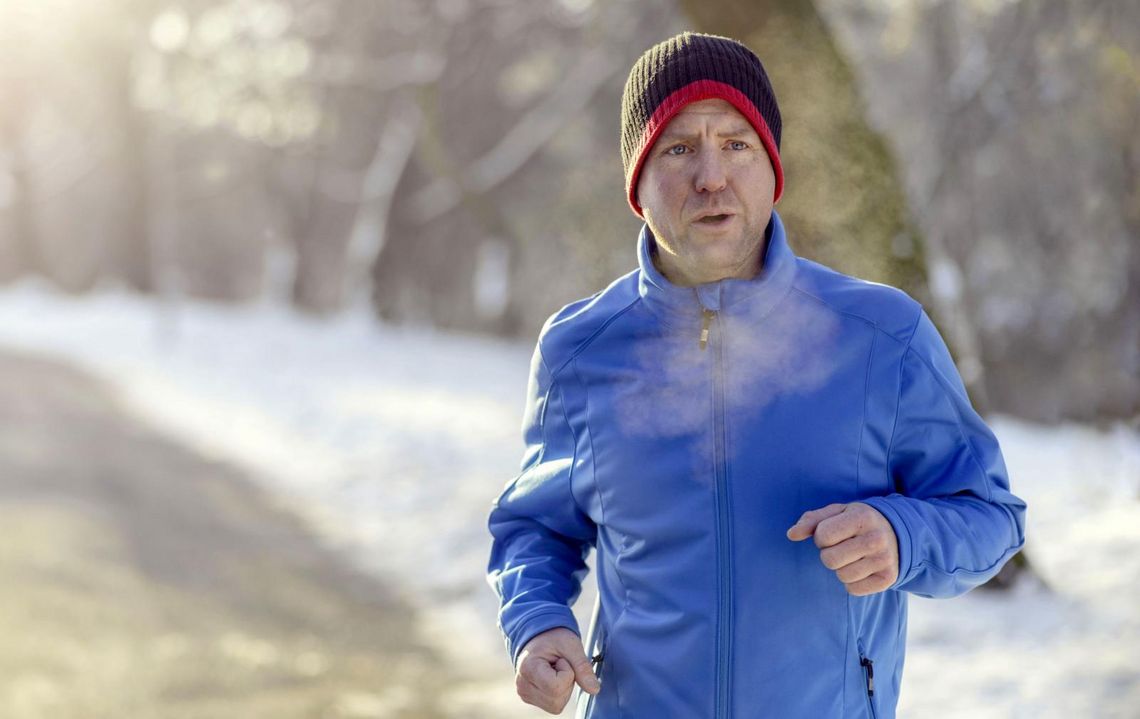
(536, 624)
(888, 509)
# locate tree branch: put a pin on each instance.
(521, 142)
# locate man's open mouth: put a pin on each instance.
(714, 219)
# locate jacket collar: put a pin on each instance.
(755, 296)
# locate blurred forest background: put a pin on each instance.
(455, 162)
(311, 243)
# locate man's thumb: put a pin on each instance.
(806, 524)
(584, 675)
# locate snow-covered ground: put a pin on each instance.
(393, 442)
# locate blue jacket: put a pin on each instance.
(685, 460)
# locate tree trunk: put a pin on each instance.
(22, 253)
(134, 258)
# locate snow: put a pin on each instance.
(1071, 651)
(393, 441)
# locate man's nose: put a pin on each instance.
(711, 175)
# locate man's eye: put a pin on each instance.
(738, 145)
(677, 150)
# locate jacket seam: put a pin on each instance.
(545, 404)
(852, 315)
(957, 422)
(863, 423)
(898, 398)
(596, 333)
(542, 423)
(846, 658)
(602, 509)
(554, 384)
(574, 454)
(542, 358)
(590, 442)
(870, 360)
(957, 571)
(909, 570)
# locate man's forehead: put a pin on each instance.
(698, 113)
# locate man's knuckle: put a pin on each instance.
(853, 572)
(832, 534)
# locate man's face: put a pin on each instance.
(706, 191)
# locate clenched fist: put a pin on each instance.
(856, 541)
(549, 665)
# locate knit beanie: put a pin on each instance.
(687, 68)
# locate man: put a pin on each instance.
(705, 415)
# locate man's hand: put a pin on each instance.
(549, 665)
(856, 541)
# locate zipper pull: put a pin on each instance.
(870, 665)
(706, 318)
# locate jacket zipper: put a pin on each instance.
(706, 319)
(724, 550)
(869, 674)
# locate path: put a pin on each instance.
(142, 580)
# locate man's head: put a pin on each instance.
(700, 144)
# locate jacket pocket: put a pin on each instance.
(868, 667)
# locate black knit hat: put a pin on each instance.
(687, 68)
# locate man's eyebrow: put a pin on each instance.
(735, 131)
(669, 135)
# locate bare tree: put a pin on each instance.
(486, 173)
(1014, 127)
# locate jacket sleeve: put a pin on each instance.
(540, 536)
(953, 513)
